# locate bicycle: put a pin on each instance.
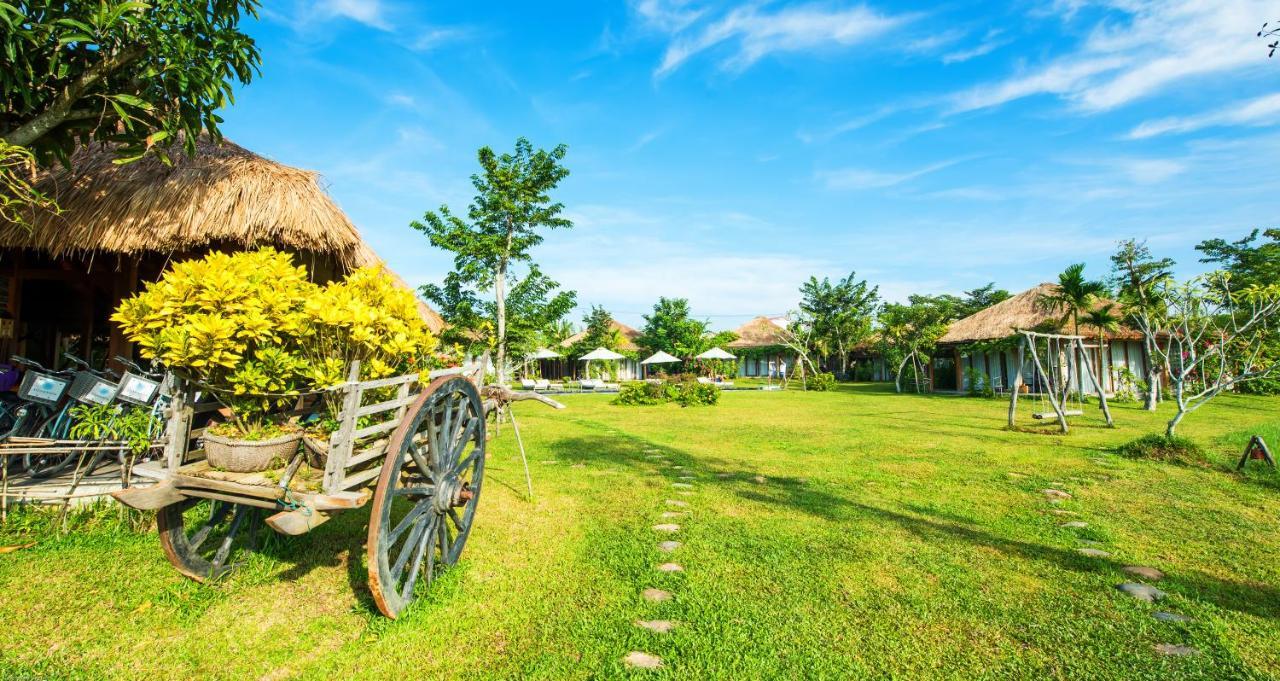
(86, 386)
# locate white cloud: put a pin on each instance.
(666, 15)
(1261, 111)
(432, 37)
(990, 43)
(862, 178)
(368, 12)
(1159, 44)
(1151, 171)
(757, 33)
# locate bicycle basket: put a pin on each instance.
(92, 389)
(42, 388)
(136, 389)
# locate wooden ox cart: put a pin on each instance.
(416, 458)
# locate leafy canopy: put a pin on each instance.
(839, 314)
(1250, 262)
(142, 74)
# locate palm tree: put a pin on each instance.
(1073, 296)
(1105, 319)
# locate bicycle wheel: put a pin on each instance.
(48, 465)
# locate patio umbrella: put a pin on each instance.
(715, 353)
(598, 353)
(660, 357)
(543, 353)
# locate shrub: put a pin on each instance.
(686, 393)
(1160, 448)
(977, 384)
(694, 394)
(633, 394)
(821, 382)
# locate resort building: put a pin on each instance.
(761, 348)
(628, 369)
(983, 347)
(120, 225)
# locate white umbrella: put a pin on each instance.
(543, 354)
(716, 353)
(598, 353)
(660, 357)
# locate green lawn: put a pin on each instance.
(892, 536)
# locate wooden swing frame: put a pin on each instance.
(1076, 343)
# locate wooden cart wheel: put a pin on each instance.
(427, 494)
(204, 538)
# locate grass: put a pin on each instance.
(893, 536)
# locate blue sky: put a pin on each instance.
(724, 152)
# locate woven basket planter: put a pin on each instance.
(249, 456)
(317, 451)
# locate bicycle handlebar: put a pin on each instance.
(136, 368)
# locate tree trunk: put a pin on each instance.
(1171, 429)
(500, 295)
(1152, 397)
(897, 383)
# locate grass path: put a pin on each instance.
(891, 536)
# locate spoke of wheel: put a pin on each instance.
(409, 518)
(417, 563)
(462, 467)
(217, 513)
(220, 557)
(420, 490)
(405, 551)
(424, 464)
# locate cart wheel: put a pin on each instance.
(204, 538)
(427, 494)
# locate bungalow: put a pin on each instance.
(761, 348)
(972, 346)
(119, 226)
(628, 369)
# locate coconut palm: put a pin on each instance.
(1073, 297)
(1104, 318)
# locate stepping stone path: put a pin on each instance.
(1171, 617)
(667, 527)
(657, 626)
(1174, 650)
(656, 595)
(579, 465)
(1093, 553)
(677, 468)
(668, 546)
(1075, 525)
(1062, 511)
(670, 567)
(654, 456)
(724, 476)
(674, 514)
(1142, 592)
(1148, 573)
(681, 485)
(1056, 494)
(638, 660)
(686, 477)
(759, 480)
(685, 492)
(677, 503)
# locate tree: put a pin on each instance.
(1215, 337)
(1136, 274)
(599, 331)
(671, 329)
(909, 333)
(1247, 263)
(838, 315)
(1106, 319)
(1073, 297)
(980, 299)
(512, 203)
(142, 75)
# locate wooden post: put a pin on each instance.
(179, 427)
(1017, 384)
(340, 442)
(1102, 393)
(1053, 399)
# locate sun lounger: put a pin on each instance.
(541, 385)
(528, 383)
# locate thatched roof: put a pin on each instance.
(1022, 311)
(629, 336)
(759, 333)
(224, 195)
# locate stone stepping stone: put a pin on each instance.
(666, 527)
(1062, 511)
(759, 480)
(674, 514)
(653, 456)
(677, 503)
(1056, 494)
(677, 468)
(1171, 617)
(681, 485)
(670, 567)
(657, 626)
(1093, 553)
(1016, 476)
(1175, 650)
(1075, 525)
(579, 465)
(686, 477)
(1148, 573)
(685, 492)
(656, 595)
(1142, 592)
(668, 546)
(638, 660)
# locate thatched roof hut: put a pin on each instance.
(761, 332)
(121, 224)
(1023, 311)
(628, 334)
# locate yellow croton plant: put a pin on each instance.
(253, 328)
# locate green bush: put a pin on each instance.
(977, 384)
(694, 394)
(686, 393)
(821, 382)
(633, 394)
(1160, 448)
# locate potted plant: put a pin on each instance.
(233, 323)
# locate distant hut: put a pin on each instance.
(628, 369)
(762, 349)
(120, 225)
(975, 343)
